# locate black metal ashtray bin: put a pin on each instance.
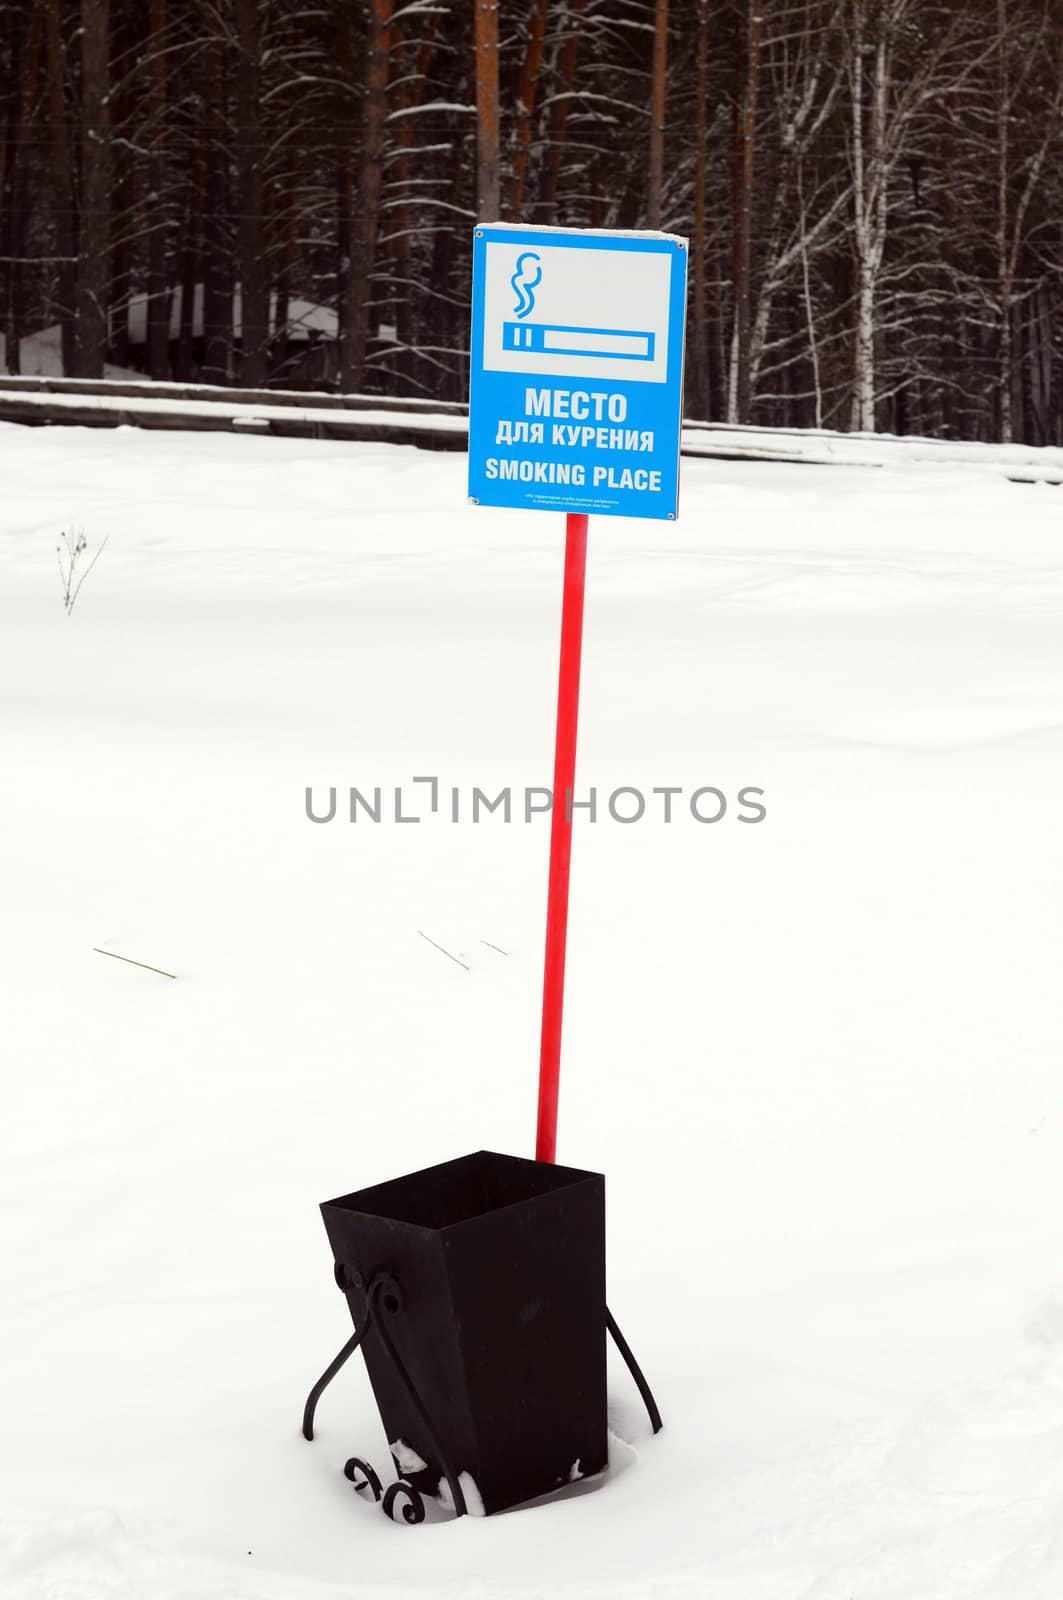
(477, 1290)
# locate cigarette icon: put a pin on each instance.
(544, 338)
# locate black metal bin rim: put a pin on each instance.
(451, 1193)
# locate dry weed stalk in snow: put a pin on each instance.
(76, 544)
(99, 951)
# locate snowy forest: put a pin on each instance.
(283, 191)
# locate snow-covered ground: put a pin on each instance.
(818, 1058)
(42, 357)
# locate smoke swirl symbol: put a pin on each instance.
(525, 282)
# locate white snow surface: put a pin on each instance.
(240, 412)
(817, 1058)
(407, 1458)
(41, 356)
(474, 1504)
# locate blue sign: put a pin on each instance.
(576, 395)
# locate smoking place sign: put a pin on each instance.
(576, 386)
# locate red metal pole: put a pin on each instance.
(561, 832)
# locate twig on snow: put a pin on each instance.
(147, 967)
(445, 952)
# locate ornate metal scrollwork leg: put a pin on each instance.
(635, 1370)
(385, 1300)
(356, 1468)
(325, 1379)
(348, 1282)
(413, 1510)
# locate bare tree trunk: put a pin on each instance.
(354, 330)
(191, 264)
(1004, 280)
(700, 364)
(62, 183)
(719, 329)
(566, 77)
(655, 190)
(949, 334)
(739, 397)
(1011, 220)
(488, 160)
(810, 313)
(284, 213)
(123, 211)
(346, 304)
(1028, 409)
(158, 341)
(1041, 331)
(251, 230)
(18, 192)
(94, 246)
(864, 378)
(11, 248)
(7, 134)
(529, 76)
(870, 177)
(217, 243)
(406, 320)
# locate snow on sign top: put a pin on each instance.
(577, 368)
